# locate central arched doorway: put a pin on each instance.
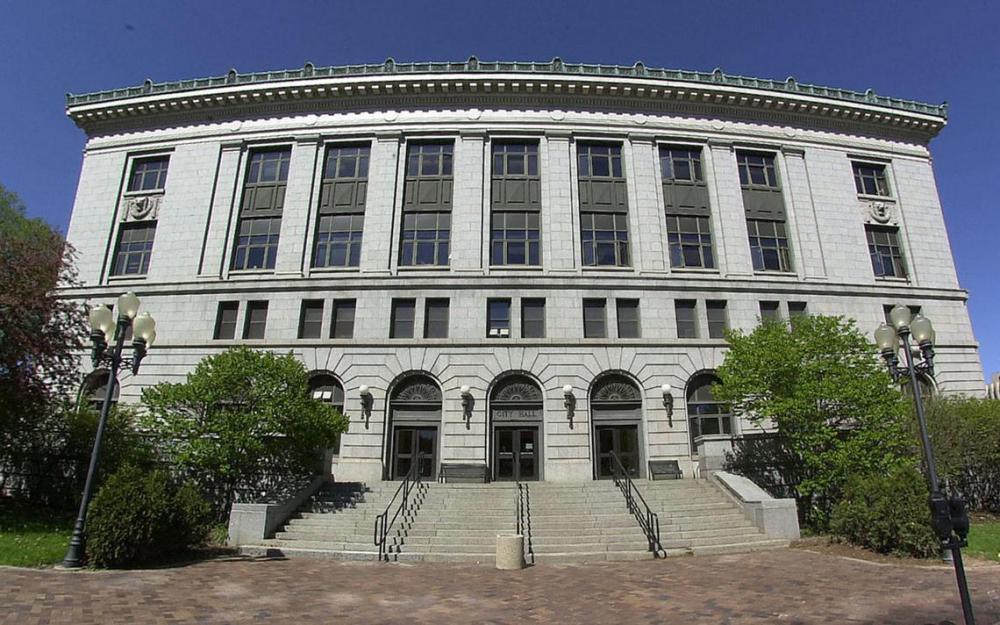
(414, 424)
(516, 418)
(616, 414)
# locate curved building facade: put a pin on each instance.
(498, 268)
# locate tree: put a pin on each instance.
(818, 381)
(241, 415)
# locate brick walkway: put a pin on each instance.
(784, 586)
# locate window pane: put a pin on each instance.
(715, 311)
(770, 311)
(311, 319)
(533, 318)
(342, 324)
(498, 317)
(256, 320)
(628, 318)
(687, 324)
(594, 318)
(403, 311)
(436, 319)
(225, 323)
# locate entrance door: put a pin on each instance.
(515, 453)
(408, 443)
(623, 440)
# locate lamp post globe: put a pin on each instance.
(923, 331)
(900, 317)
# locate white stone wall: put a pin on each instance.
(189, 271)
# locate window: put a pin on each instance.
(687, 323)
(425, 239)
(325, 388)
(401, 324)
(256, 321)
(770, 311)
(605, 239)
(883, 246)
(681, 164)
(498, 318)
(342, 207)
(225, 320)
(768, 245)
(311, 319)
(436, 318)
(427, 204)
(532, 318)
(715, 311)
(95, 389)
(690, 242)
(595, 319)
(706, 415)
(603, 205)
(797, 309)
(757, 170)
(260, 211)
(135, 245)
(342, 323)
(628, 318)
(869, 179)
(515, 239)
(149, 174)
(515, 202)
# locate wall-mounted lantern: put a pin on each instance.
(569, 401)
(668, 403)
(467, 402)
(367, 401)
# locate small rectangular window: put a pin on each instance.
(869, 179)
(311, 319)
(770, 311)
(256, 320)
(769, 245)
(681, 164)
(533, 318)
(687, 322)
(403, 313)
(595, 318)
(628, 318)
(797, 308)
(342, 323)
(498, 318)
(225, 320)
(886, 255)
(597, 160)
(149, 174)
(436, 318)
(135, 246)
(757, 170)
(715, 311)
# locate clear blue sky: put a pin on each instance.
(929, 51)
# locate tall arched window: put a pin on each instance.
(327, 389)
(94, 388)
(705, 414)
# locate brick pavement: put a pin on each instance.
(783, 586)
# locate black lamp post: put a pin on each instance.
(949, 518)
(108, 337)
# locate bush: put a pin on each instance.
(966, 437)
(887, 514)
(137, 517)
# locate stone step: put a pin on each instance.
(739, 547)
(569, 557)
(691, 543)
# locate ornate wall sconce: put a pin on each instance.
(569, 401)
(366, 402)
(668, 403)
(467, 403)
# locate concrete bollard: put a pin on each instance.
(510, 552)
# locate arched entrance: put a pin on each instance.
(516, 418)
(705, 414)
(323, 387)
(616, 414)
(414, 424)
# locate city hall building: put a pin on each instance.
(518, 268)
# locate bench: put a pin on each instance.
(665, 470)
(456, 473)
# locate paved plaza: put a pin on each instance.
(782, 586)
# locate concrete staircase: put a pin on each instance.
(576, 522)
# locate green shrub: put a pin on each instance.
(965, 433)
(887, 514)
(140, 516)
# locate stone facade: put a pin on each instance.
(208, 134)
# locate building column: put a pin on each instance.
(467, 205)
(296, 215)
(221, 215)
(811, 264)
(733, 248)
(648, 225)
(560, 220)
(381, 215)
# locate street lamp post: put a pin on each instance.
(949, 518)
(108, 337)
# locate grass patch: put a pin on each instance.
(32, 536)
(984, 538)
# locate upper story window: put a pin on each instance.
(427, 197)
(342, 321)
(260, 210)
(687, 322)
(770, 311)
(757, 170)
(342, 207)
(225, 320)
(403, 317)
(718, 321)
(149, 174)
(311, 319)
(255, 324)
(628, 318)
(764, 206)
(681, 164)
(886, 255)
(533, 318)
(134, 248)
(436, 318)
(498, 318)
(595, 318)
(869, 179)
(685, 198)
(603, 205)
(515, 192)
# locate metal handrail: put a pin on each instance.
(648, 520)
(523, 504)
(382, 522)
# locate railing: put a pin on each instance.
(382, 522)
(648, 520)
(522, 502)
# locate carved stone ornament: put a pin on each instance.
(517, 390)
(418, 391)
(616, 389)
(880, 212)
(142, 207)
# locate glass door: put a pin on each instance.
(515, 454)
(623, 440)
(408, 443)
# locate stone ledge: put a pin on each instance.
(777, 518)
(249, 523)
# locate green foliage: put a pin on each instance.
(819, 382)
(32, 535)
(984, 538)
(887, 514)
(238, 414)
(965, 434)
(140, 516)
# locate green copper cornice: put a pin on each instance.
(473, 65)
